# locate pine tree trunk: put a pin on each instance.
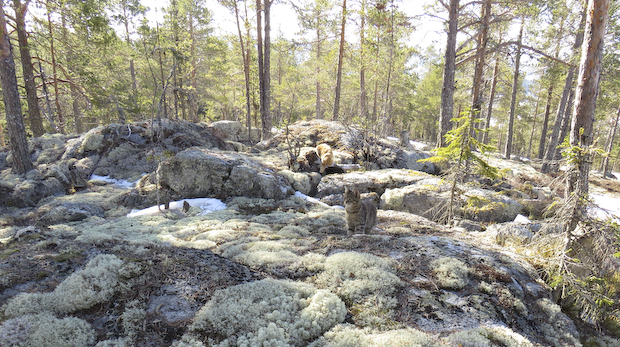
(363, 102)
(610, 145)
(563, 111)
(34, 112)
(261, 61)
(447, 91)
(480, 59)
(61, 118)
(14, 121)
(267, 117)
(585, 104)
(487, 123)
(513, 99)
(336, 114)
(319, 112)
(246, 72)
(545, 122)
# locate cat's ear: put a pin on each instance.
(346, 190)
(356, 192)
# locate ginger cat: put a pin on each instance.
(326, 155)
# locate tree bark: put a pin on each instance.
(610, 145)
(336, 115)
(363, 102)
(585, 105)
(480, 55)
(513, 99)
(267, 118)
(246, 72)
(14, 121)
(545, 122)
(447, 91)
(487, 123)
(261, 61)
(61, 118)
(563, 111)
(34, 112)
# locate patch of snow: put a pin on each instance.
(119, 182)
(616, 174)
(522, 219)
(391, 138)
(206, 204)
(419, 145)
(607, 207)
(310, 199)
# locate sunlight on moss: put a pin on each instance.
(488, 337)
(45, 330)
(345, 335)
(265, 313)
(364, 280)
(450, 273)
(96, 283)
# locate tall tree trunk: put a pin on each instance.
(487, 123)
(363, 102)
(387, 122)
(585, 105)
(513, 98)
(336, 114)
(476, 102)
(545, 122)
(192, 100)
(267, 118)
(261, 61)
(447, 91)
(61, 118)
(610, 145)
(319, 112)
(246, 73)
(553, 80)
(34, 112)
(563, 111)
(529, 147)
(15, 123)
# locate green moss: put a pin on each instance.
(68, 254)
(5, 253)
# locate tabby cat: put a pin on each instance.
(361, 215)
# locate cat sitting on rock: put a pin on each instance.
(361, 215)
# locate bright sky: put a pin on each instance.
(284, 20)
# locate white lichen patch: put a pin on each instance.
(45, 330)
(486, 336)
(365, 282)
(344, 335)
(97, 282)
(450, 273)
(265, 313)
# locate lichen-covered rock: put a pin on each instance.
(199, 172)
(377, 181)
(306, 183)
(69, 212)
(27, 192)
(430, 198)
(513, 233)
(234, 131)
(410, 159)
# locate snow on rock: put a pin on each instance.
(206, 204)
